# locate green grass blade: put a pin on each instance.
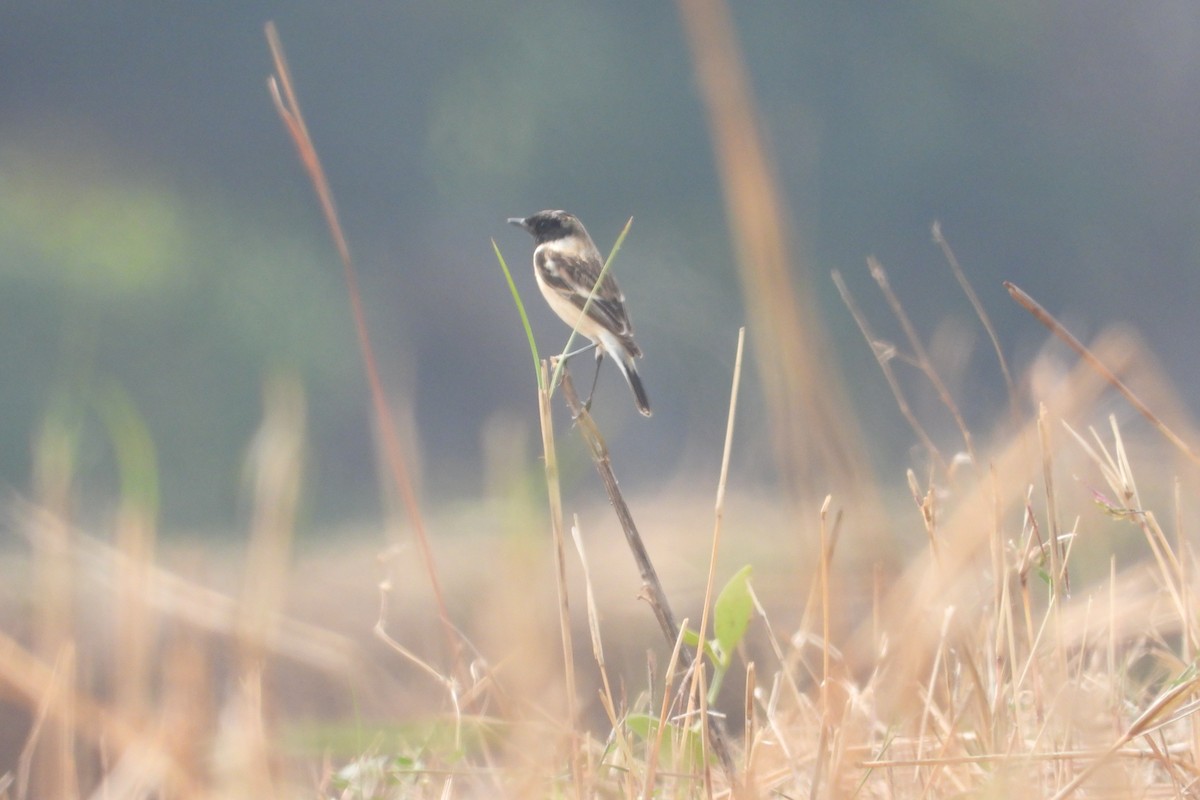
(512, 287)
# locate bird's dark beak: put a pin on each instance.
(518, 221)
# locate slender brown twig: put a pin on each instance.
(560, 575)
(288, 107)
(651, 585)
(986, 321)
(810, 416)
(924, 362)
(1046, 318)
(719, 505)
(883, 356)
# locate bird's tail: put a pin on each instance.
(623, 351)
(625, 364)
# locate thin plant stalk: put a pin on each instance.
(512, 287)
(1057, 574)
(598, 450)
(51, 764)
(719, 505)
(607, 699)
(556, 528)
(749, 731)
(924, 362)
(1054, 326)
(677, 652)
(814, 431)
(136, 537)
(883, 355)
(652, 586)
(825, 611)
(288, 108)
(969, 291)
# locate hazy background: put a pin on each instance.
(159, 240)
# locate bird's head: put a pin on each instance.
(546, 226)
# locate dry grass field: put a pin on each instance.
(1017, 617)
(1021, 626)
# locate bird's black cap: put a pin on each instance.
(546, 226)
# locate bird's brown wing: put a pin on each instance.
(574, 277)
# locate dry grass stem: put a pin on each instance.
(719, 512)
(960, 276)
(749, 729)
(884, 352)
(826, 608)
(656, 742)
(651, 585)
(1043, 316)
(920, 355)
(288, 107)
(274, 467)
(447, 682)
(803, 388)
(1058, 582)
(598, 450)
(560, 560)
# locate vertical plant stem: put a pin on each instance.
(554, 493)
(136, 533)
(51, 764)
(719, 505)
(924, 362)
(288, 108)
(825, 606)
(815, 432)
(651, 585)
(960, 276)
(599, 451)
(883, 355)
(748, 728)
(1052, 533)
(678, 651)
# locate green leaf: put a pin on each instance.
(645, 727)
(642, 724)
(731, 614)
(692, 639)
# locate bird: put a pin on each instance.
(567, 266)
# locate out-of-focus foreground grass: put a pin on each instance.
(1028, 629)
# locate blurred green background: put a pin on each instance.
(157, 233)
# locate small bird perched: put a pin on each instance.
(567, 266)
